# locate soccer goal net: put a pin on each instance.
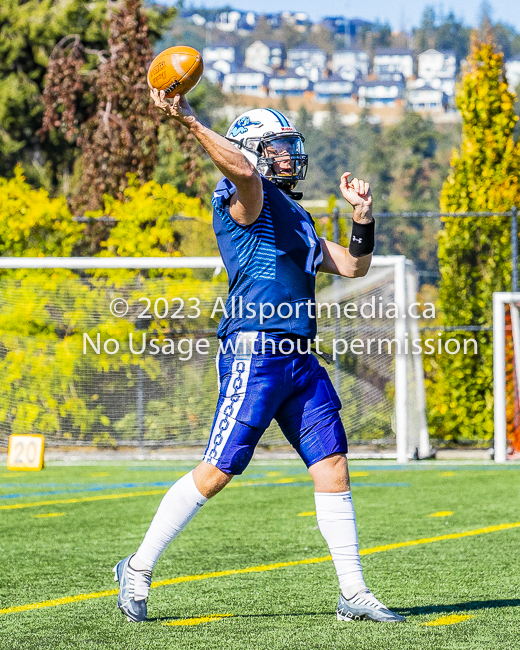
(506, 375)
(121, 352)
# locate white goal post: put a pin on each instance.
(411, 432)
(500, 300)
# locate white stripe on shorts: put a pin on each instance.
(235, 394)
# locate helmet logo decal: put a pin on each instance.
(241, 126)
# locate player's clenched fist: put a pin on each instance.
(355, 191)
(359, 195)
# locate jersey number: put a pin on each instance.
(312, 241)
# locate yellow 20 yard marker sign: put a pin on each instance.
(25, 452)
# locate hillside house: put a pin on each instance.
(246, 81)
(380, 92)
(428, 99)
(333, 87)
(388, 60)
(290, 84)
(265, 56)
(433, 64)
(350, 64)
(307, 61)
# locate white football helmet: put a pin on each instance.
(267, 139)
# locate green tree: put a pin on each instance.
(474, 254)
(329, 153)
(372, 158)
(29, 31)
(415, 175)
(452, 34)
(424, 36)
(443, 33)
(45, 313)
(507, 39)
(120, 135)
(413, 142)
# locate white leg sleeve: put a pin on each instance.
(337, 524)
(178, 507)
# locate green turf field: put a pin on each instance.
(460, 592)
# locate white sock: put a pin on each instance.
(337, 524)
(178, 507)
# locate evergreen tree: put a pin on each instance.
(121, 136)
(452, 34)
(29, 31)
(329, 153)
(474, 254)
(424, 36)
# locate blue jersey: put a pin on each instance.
(271, 265)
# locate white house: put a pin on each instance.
(290, 84)
(245, 81)
(307, 61)
(350, 64)
(221, 57)
(265, 55)
(379, 92)
(427, 98)
(513, 72)
(219, 52)
(388, 60)
(232, 21)
(333, 87)
(433, 64)
(447, 86)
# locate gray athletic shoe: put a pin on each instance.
(133, 590)
(365, 605)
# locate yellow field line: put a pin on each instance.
(58, 601)
(257, 569)
(126, 495)
(439, 538)
(100, 497)
(234, 572)
(448, 620)
(49, 514)
(199, 620)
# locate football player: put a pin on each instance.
(272, 253)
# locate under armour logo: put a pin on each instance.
(354, 238)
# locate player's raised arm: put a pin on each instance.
(246, 203)
(354, 261)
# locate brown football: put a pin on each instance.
(176, 70)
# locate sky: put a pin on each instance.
(399, 13)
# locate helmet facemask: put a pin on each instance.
(281, 157)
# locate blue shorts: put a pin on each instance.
(257, 384)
